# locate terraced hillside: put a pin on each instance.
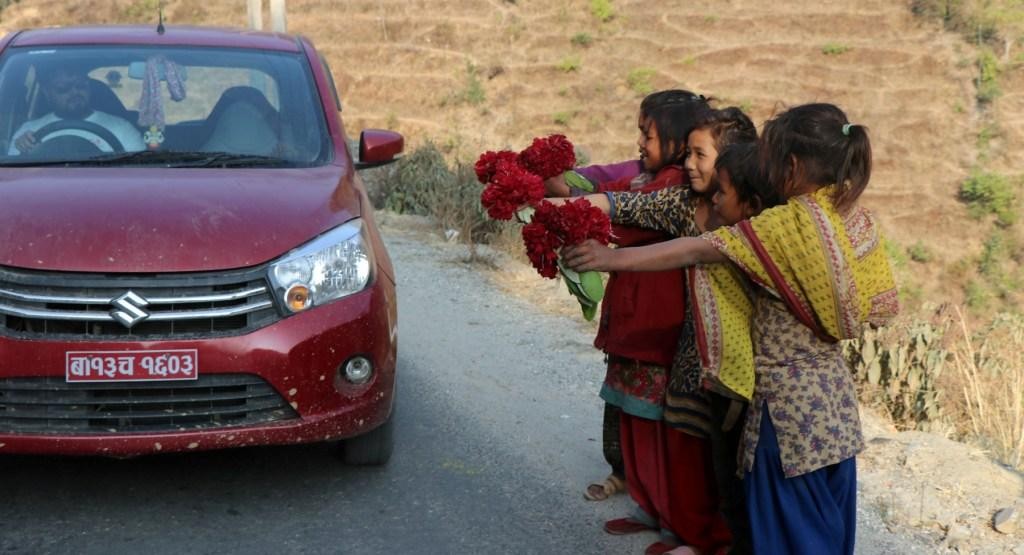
(474, 74)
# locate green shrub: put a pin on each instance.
(570, 64)
(639, 80)
(602, 10)
(423, 183)
(898, 368)
(990, 193)
(977, 295)
(978, 22)
(993, 254)
(408, 186)
(834, 49)
(987, 132)
(919, 253)
(582, 39)
(897, 256)
(988, 76)
(474, 92)
(563, 118)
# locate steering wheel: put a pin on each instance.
(80, 125)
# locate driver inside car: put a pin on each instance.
(67, 91)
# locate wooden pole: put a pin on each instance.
(278, 20)
(255, 10)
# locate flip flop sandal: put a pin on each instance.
(599, 492)
(623, 526)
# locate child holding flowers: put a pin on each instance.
(667, 471)
(688, 408)
(619, 176)
(820, 275)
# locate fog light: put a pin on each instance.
(297, 298)
(358, 370)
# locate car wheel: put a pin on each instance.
(372, 448)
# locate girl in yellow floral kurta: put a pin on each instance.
(821, 274)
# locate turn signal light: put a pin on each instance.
(297, 298)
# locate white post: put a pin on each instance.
(278, 20)
(255, 10)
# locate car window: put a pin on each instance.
(206, 85)
(173, 101)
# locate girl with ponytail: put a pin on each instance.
(819, 273)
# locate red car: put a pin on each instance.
(188, 259)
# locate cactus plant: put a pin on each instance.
(898, 368)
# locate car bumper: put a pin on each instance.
(299, 356)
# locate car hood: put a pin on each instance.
(165, 220)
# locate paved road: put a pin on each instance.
(497, 433)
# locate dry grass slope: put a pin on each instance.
(475, 74)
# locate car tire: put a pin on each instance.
(372, 448)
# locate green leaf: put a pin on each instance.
(525, 214)
(577, 181)
(568, 272)
(592, 285)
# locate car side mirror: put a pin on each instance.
(378, 147)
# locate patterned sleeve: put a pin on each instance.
(671, 210)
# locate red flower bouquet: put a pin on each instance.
(488, 163)
(549, 157)
(510, 189)
(555, 226)
(514, 186)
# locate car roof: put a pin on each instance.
(173, 35)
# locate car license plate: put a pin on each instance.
(131, 366)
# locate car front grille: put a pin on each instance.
(52, 406)
(75, 306)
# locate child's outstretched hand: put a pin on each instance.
(557, 187)
(589, 255)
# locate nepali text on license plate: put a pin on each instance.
(131, 366)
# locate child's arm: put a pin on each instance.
(611, 172)
(677, 253)
(671, 210)
(557, 187)
(598, 175)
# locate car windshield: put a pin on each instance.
(168, 106)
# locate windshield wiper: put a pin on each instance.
(187, 159)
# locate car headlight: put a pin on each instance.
(334, 265)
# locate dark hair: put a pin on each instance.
(728, 126)
(740, 161)
(827, 149)
(674, 113)
(47, 74)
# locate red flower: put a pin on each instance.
(510, 188)
(549, 157)
(487, 164)
(556, 226)
(541, 249)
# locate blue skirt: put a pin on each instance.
(810, 514)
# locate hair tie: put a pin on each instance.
(846, 129)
